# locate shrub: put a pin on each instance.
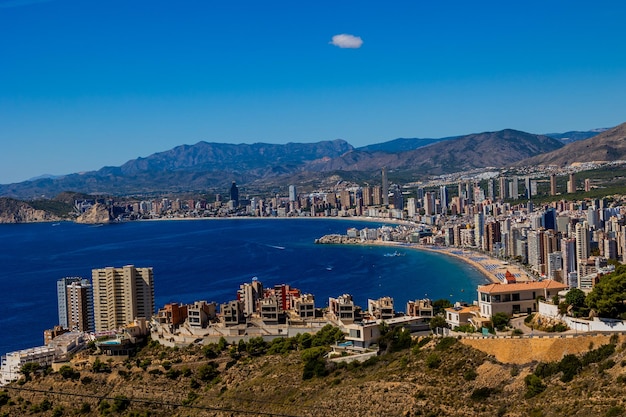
(207, 372)
(470, 375)
(534, 385)
(599, 354)
(4, 398)
(120, 403)
(570, 365)
(544, 370)
(445, 343)
(433, 361)
(67, 372)
(607, 364)
(85, 408)
(480, 394)
(86, 380)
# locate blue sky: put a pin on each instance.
(86, 84)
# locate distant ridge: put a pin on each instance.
(211, 167)
(575, 135)
(401, 144)
(606, 146)
(487, 149)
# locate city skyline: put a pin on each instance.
(88, 85)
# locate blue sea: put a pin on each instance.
(208, 260)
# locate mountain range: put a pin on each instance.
(213, 166)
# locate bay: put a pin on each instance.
(208, 260)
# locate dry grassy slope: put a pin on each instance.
(523, 351)
(399, 384)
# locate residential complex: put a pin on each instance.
(120, 295)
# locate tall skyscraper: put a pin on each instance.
(581, 234)
(553, 184)
(367, 196)
(529, 193)
(121, 295)
(80, 306)
(234, 194)
(293, 195)
(443, 198)
(491, 189)
(502, 188)
(571, 184)
(479, 229)
(62, 299)
(514, 188)
(385, 188)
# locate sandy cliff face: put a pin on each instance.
(20, 212)
(97, 214)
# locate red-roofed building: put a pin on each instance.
(514, 298)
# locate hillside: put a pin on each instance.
(401, 145)
(15, 211)
(488, 149)
(432, 377)
(195, 168)
(607, 146)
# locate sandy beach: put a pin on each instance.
(494, 269)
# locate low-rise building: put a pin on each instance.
(422, 308)
(381, 309)
(343, 308)
(304, 306)
(12, 362)
(232, 313)
(459, 315)
(515, 298)
(200, 313)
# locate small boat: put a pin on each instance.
(396, 253)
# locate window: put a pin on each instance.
(515, 296)
(516, 308)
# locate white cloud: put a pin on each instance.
(345, 40)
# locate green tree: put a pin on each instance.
(256, 346)
(500, 320)
(207, 372)
(534, 385)
(28, 368)
(608, 295)
(67, 372)
(437, 321)
(440, 305)
(314, 362)
(575, 298)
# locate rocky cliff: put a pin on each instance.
(97, 214)
(14, 211)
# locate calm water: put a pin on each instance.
(207, 260)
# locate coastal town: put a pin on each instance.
(533, 255)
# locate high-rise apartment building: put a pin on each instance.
(385, 190)
(571, 184)
(120, 295)
(293, 194)
(553, 184)
(581, 234)
(80, 306)
(62, 299)
(502, 188)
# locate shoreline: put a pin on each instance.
(491, 268)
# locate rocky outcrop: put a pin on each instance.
(97, 214)
(14, 211)
(337, 240)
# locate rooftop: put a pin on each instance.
(522, 286)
